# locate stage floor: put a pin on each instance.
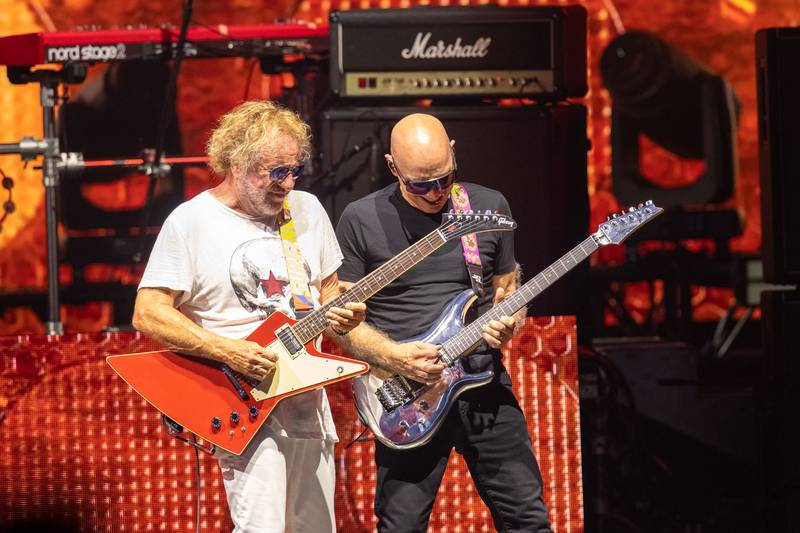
(80, 447)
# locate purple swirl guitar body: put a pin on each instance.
(414, 422)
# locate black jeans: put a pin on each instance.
(487, 427)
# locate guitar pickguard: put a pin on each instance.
(294, 372)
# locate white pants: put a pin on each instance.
(281, 485)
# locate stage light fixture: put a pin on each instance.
(662, 94)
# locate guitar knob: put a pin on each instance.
(216, 423)
(253, 412)
(234, 417)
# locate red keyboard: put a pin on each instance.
(100, 46)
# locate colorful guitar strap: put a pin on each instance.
(302, 301)
(469, 242)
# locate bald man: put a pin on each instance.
(485, 425)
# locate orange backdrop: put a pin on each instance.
(718, 33)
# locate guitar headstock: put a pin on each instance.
(620, 225)
(455, 225)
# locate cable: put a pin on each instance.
(161, 134)
(168, 424)
(250, 71)
(197, 465)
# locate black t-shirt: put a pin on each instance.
(376, 228)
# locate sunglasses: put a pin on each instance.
(278, 174)
(421, 188)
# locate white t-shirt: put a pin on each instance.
(231, 273)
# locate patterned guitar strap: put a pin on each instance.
(469, 242)
(302, 301)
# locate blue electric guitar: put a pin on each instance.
(403, 413)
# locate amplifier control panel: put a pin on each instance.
(511, 83)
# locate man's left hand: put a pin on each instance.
(342, 320)
(498, 332)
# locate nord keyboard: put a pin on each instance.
(459, 51)
(101, 46)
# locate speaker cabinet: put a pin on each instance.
(777, 60)
(779, 397)
(534, 155)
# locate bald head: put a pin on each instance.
(421, 151)
(420, 146)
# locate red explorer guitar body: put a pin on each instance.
(201, 397)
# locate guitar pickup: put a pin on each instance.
(289, 341)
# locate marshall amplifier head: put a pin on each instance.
(481, 51)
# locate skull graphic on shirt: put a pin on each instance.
(259, 277)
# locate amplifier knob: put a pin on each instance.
(457, 82)
(434, 83)
(512, 81)
(467, 82)
(423, 82)
(479, 82)
(492, 82)
(415, 83)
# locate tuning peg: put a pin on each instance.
(649, 202)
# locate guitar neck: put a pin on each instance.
(315, 322)
(472, 334)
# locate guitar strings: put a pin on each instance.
(315, 322)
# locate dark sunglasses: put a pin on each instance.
(278, 174)
(421, 188)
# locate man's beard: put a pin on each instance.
(260, 202)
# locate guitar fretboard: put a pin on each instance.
(472, 334)
(315, 322)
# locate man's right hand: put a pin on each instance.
(418, 361)
(250, 358)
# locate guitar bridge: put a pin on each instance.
(393, 393)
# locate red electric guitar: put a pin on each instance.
(226, 408)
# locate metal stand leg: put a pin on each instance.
(53, 326)
(30, 148)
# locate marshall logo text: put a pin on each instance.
(421, 50)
